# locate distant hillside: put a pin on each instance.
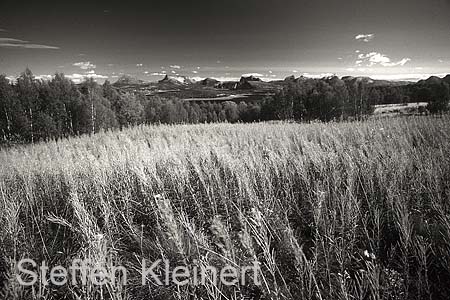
(211, 82)
(373, 82)
(127, 80)
(435, 80)
(446, 79)
(176, 80)
(252, 88)
(346, 79)
(255, 83)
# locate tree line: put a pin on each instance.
(332, 98)
(34, 110)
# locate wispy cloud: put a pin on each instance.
(365, 37)
(85, 65)
(17, 43)
(2, 30)
(8, 40)
(356, 70)
(374, 58)
(27, 46)
(402, 62)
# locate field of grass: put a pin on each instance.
(400, 109)
(354, 210)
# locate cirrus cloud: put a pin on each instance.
(17, 43)
(7, 40)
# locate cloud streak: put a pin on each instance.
(17, 43)
(8, 40)
(365, 37)
(85, 65)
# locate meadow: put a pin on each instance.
(350, 210)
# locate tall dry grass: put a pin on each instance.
(330, 211)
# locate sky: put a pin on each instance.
(396, 39)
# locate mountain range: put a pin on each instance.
(247, 87)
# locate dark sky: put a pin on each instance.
(225, 39)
